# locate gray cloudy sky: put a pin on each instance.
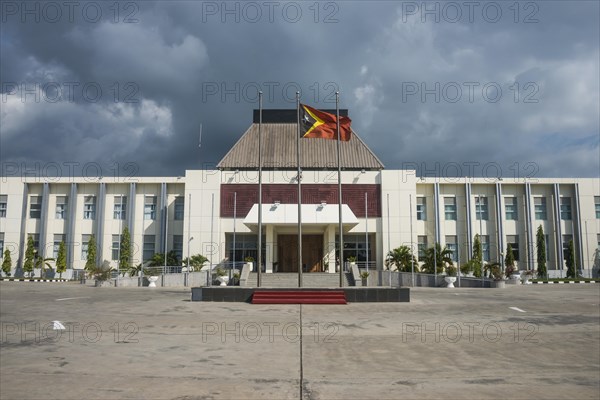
(474, 88)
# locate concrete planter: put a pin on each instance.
(223, 279)
(103, 283)
(152, 280)
(450, 281)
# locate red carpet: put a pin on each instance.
(299, 297)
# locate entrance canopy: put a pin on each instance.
(287, 214)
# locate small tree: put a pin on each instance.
(541, 252)
(402, 258)
(61, 259)
(571, 261)
(509, 261)
(477, 259)
(6, 263)
(91, 254)
(125, 247)
(29, 255)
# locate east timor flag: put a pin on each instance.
(319, 124)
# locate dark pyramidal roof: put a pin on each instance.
(279, 132)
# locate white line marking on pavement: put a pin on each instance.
(58, 326)
(516, 309)
(72, 298)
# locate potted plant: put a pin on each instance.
(236, 278)
(250, 262)
(466, 269)
(364, 277)
(450, 277)
(222, 276)
(511, 271)
(151, 274)
(498, 277)
(527, 275)
(351, 260)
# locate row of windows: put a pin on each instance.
(120, 208)
(148, 249)
(511, 210)
(89, 207)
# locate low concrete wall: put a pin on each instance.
(167, 280)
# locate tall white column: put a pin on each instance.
(270, 248)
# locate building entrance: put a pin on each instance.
(312, 253)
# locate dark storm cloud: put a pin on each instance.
(414, 85)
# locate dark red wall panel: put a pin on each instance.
(352, 194)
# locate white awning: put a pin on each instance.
(287, 214)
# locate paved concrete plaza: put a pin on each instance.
(522, 342)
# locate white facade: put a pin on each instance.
(443, 210)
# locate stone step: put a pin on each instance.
(290, 280)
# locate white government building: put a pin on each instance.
(214, 211)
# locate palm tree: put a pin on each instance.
(442, 257)
(196, 262)
(402, 258)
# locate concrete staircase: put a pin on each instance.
(290, 280)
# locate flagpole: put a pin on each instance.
(259, 258)
(299, 192)
(337, 115)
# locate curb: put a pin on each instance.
(33, 280)
(563, 283)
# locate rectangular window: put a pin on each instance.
(540, 208)
(566, 239)
(178, 246)
(120, 207)
(116, 243)
(485, 247)
(1, 244)
(565, 208)
(58, 239)
(422, 246)
(3, 203)
(547, 247)
(513, 240)
(84, 246)
(148, 249)
(450, 208)
(596, 205)
(246, 245)
(89, 207)
(179, 207)
(150, 207)
(481, 208)
(421, 209)
(61, 207)
(452, 246)
(510, 208)
(35, 207)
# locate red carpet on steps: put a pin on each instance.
(299, 297)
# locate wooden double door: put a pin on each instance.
(312, 253)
